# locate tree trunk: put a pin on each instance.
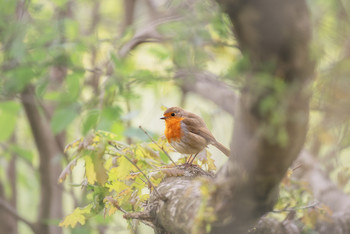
(47, 149)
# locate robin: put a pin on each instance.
(188, 133)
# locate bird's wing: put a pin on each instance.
(197, 126)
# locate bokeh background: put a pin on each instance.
(70, 66)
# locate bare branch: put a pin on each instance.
(12, 211)
(147, 34)
(203, 83)
(129, 9)
(312, 205)
(321, 186)
(138, 215)
(144, 217)
(160, 147)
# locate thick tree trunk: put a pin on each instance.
(259, 152)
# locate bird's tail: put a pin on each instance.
(222, 148)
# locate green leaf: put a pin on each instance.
(164, 157)
(18, 78)
(135, 133)
(71, 28)
(23, 153)
(81, 230)
(78, 216)
(90, 120)
(73, 87)
(62, 118)
(108, 117)
(8, 114)
(40, 89)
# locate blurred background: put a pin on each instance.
(69, 66)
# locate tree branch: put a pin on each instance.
(12, 211)
(129, 9)
(203, 83)
(147, 34)
(320, 184)
(47, 148)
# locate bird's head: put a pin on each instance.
(174, 112)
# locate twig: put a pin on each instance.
(150, 183)
(144, 217)
(138, 215)
(128, 215)
(148, 180)
(140, 178)
(115, 204)
(149, 136)
(12, 211)
(312, 205)
(297, 167)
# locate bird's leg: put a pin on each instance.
(188, 159)
(190, 162)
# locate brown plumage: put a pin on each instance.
(188, 133)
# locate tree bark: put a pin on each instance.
(8, 223)
(48, 149)
(262, 160)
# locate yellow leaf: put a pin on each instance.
(211, 164)
(311, 217)
(109, 163)
(112, 210)
(124, 168)
(111, 205)
(78, 216)
(108, 135)
(100, 171)
(142, 199)
(149, 152)
(74, 144)
(94, 169)
(286, 178)
(115, 184)
(89, 170)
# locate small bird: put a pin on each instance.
(188, 133)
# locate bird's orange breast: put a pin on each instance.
(173, 128)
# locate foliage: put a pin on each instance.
(68, 52)
(297, 202)
(120, 176)
(78, 216)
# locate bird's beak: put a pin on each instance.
(162, 118)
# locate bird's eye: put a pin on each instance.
(172, 114)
